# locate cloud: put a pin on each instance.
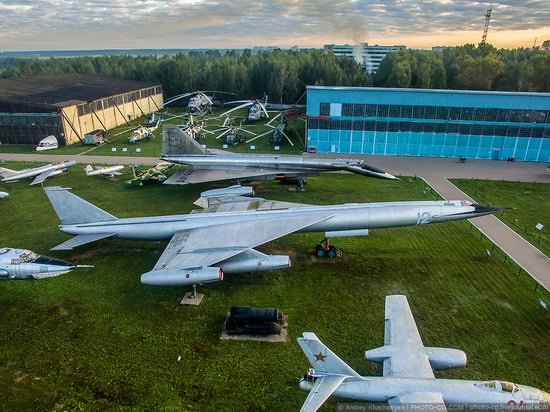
(69, 24)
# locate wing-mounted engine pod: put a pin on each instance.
(445, 358)
(182, 277)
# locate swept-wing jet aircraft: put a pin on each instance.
(110, 171)
(24, 264)
(408, 381)
(39, 173)
(216, 165)
(224, 236)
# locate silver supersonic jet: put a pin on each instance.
(222, 238)
(40, 173)
(217, 165)
(24, 264)
(408, 381)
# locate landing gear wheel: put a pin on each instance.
(332, 252)
(319, 251)
(300, 185)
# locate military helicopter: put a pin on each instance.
(231, 132)
(199, 102)
(279, 132)
(155, 173)
(194, 128)
(143, 132)
(257, 108)
(25, 264)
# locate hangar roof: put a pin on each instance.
(65, 89)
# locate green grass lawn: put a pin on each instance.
(527, 203)
(98, 339)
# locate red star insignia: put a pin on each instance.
(320, 357)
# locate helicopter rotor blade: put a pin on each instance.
(258, 136)
(287, 138)
(263, 109)
(180, 96)
(238, 107)
(224, 133)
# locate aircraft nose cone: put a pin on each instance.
(482, 210)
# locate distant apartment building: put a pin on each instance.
(369, 56)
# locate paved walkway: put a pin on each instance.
(396, 165)
(85, 159)
(528, 257)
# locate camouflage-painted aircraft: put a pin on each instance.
(154, 174)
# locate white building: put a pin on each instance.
(369, 56)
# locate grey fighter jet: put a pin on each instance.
(408, 381)
(224, 236)
(39, 173)
(24, 264)
(216, 165)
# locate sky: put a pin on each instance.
(122, 24)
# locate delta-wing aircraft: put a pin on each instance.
(216, 165)
(408, 381)
(39, 173)
(223, 237)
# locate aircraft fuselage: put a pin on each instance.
(331, 218)
(453, 391)
(306, 164)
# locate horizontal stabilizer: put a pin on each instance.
(80, 240)
(5, 173)
(321, 391)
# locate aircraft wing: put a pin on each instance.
(242, 203)
(407, 357)
(321, 391)
(203, 174)
(42, 176)
(432, 401)
(111, 174)
(205, 246)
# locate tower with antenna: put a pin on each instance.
(486, 28)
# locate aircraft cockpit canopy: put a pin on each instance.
(502, 386)
(27, 256)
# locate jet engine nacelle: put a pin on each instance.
(182, 277)
(445, 358)
(254, 261)
(440, 358)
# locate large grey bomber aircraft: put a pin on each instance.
(408, 382)
(217, 165)
(222, 238)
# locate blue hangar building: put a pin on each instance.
(424, 122)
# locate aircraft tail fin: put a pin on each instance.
(178, 142)
(321, 358)
(5, 172)
(71, 209)
(89, 169)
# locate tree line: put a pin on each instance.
(283, 75)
